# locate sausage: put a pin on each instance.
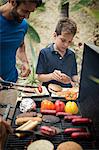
(81, 121)
(81, 135)
(47, 130)
(71, 130)
(48, 112)
(62, 114)
(70, 117)
(27, 114)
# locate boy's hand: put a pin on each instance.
(56, 75)
(65, 78)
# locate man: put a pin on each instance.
(13, 28)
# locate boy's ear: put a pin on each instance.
(13, 2)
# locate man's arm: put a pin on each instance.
(21, 54)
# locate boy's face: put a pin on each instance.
(63, 41)
(23, 11)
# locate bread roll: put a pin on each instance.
(22, 120)
(53, 88)
(27, 126)
(70, 145)
(41, 145)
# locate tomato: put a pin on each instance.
(47, 105)
(59, 106)
(71, 95)
(40, 89)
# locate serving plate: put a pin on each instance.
(63, 92)
(36, 93)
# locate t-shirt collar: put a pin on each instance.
(54, 49)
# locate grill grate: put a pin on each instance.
(15, 143)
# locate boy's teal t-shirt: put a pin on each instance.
(11, 37)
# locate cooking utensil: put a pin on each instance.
(8, 83)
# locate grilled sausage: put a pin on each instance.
(70, 117)
(81, 135)
(62, 114)
(71, 130)
(81, 121)
(47, 130)
(48, 112)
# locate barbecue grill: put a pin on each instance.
(15, 143)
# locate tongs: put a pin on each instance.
(12, 85)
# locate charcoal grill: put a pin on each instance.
(15, 143)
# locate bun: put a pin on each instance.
(27, 126)
(22, 120)
(70, 145)
(54, 88)
(41, 145)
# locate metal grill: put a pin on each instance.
(15, 143)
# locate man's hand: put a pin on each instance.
(5, 128)
(25, 70)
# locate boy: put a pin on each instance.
(57, 63)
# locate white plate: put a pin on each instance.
(37, 93)
(57, 95)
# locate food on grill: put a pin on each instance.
(27, 114)
(71, 117)
(27, 126)
(62, 114)
(81, 135)
(41, 145)
(81, 121)
(69, 145)
(53, 88)
(59, 106)
(48, 130)
(27, 104)
(47, 105)
(22, 120)
(71, 107)
(48, 112)
(71, 130)
(50, 119)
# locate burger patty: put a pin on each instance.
(50, 119)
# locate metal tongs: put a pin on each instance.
(12, 85)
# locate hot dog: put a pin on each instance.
(27, 126)
(47, 130)
(22, 120)
(62, 114)
(71, 130)
(81, 135)
(81, 121)
(70, 117)
(27, 114)
(48, 112)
